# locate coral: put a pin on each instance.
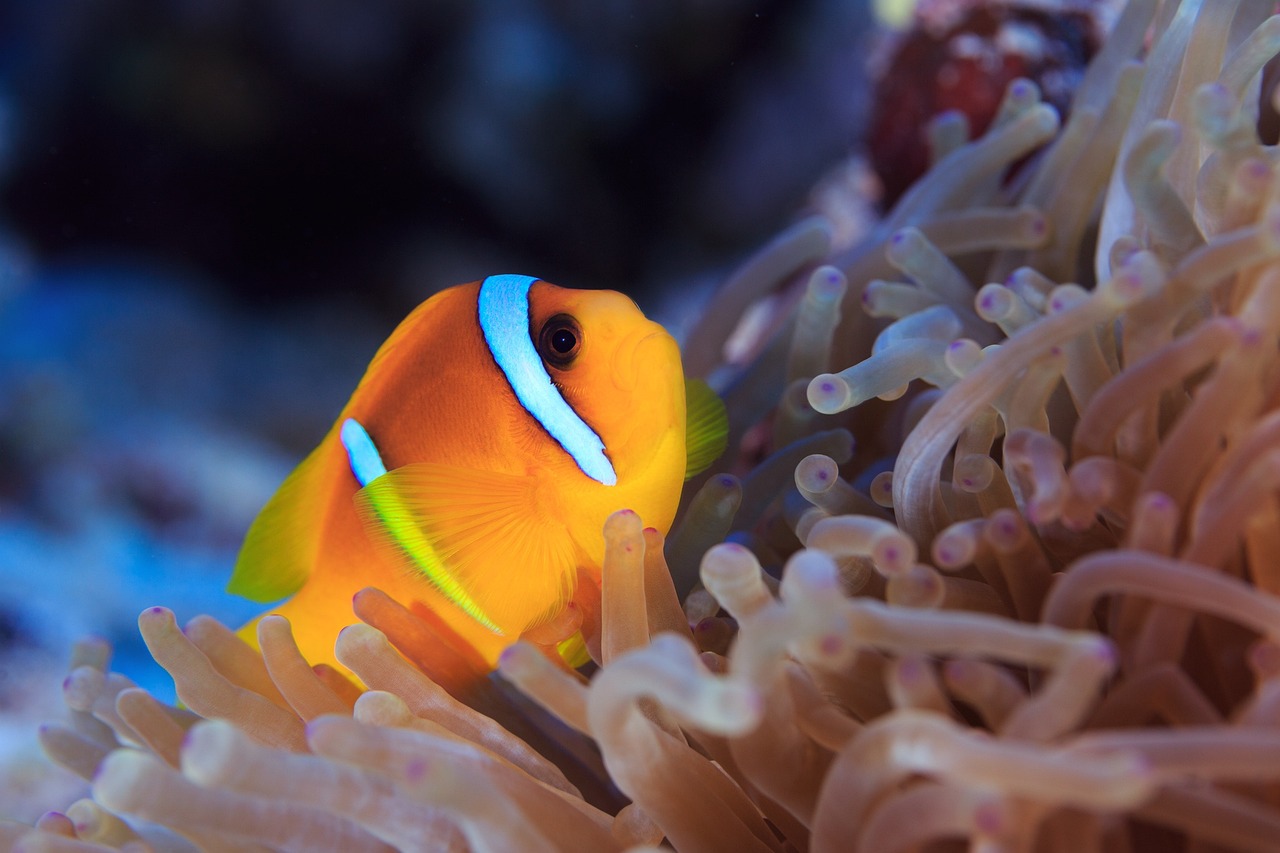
(958, 58)
(996, 562)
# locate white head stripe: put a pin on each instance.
(366, 462)
(504, 319)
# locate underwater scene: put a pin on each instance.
(773, 426)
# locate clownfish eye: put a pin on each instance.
(559, 341)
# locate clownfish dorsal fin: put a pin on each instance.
(281, 546)
(402, 336)
(489, 542)
(706, 427)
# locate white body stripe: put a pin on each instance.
(366, 462)
(504, 319)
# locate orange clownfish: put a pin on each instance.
(473, 468)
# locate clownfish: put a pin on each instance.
(473, 468)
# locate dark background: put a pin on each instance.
(294, 149)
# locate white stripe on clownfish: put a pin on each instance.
(366, 462)
(504, 318)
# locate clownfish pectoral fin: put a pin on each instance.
(707, 427)
(280, 548)
(491, 543)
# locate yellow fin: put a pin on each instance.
(489, 542)
(281, 546)
(573, 651)
(707, 427)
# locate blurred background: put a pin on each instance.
(213, 211)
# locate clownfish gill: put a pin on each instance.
(504, 320)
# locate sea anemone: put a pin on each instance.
(998, 560)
